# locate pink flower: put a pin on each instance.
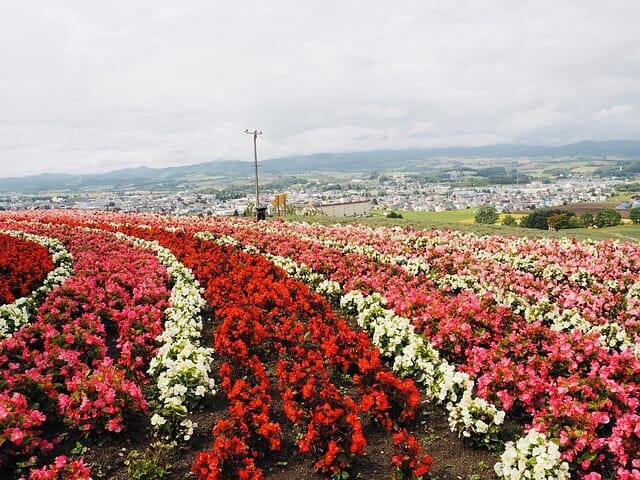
(17, 435)
(60, 461)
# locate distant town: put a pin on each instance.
(343, 197)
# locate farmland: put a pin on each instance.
(289, 350)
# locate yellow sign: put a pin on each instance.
(280, 201)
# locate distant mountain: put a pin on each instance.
(400, 159)
(138, 178)
(157, 178)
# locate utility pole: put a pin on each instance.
(259, 211)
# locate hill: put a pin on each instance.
(386, 160)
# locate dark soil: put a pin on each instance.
(594, 207)
(451, 458)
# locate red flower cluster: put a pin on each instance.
(23, 265)
(406, 456)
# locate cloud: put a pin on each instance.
(90, 85)
(616, 112)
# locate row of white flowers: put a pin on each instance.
(181, 368)
(472, 418)
(18, 313)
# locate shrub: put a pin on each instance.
(607, 217)
(487, 214)
(509, 221)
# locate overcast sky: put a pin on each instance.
(91, 86)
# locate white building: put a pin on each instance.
(346, 209)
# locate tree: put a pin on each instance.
(634, 214)
(607, 217)
(509, 221)
(538, 219)
(576, 222)
(487, 214)
(587, 219)
(555, 222)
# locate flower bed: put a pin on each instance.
(58, 370)
(545, 381)
(264, 316)
(546, 330)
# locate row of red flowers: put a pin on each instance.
(59, 370)
(262, 315)
(23, 265)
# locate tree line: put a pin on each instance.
(557, 219)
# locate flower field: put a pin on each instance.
(312, 336)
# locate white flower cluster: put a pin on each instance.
(527, 263)
(532, 457)
(223, 240)
(471, 418)
(18, 313)
(553, 271)
(413, 265)
(182, 367)
(458, 283)
(582, 278)
(300, 272)
(612, 335)
(550, 314)
(476, 420)
(330, 289)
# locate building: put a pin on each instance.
(346, 209)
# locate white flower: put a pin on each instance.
(157, 420)
(532, 456)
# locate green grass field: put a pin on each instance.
(464, 216)
(623, 197)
